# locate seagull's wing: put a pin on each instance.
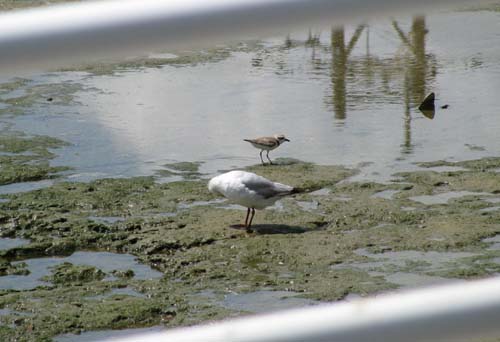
(265, 188)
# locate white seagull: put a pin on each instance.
(267, 144)
(249, 190)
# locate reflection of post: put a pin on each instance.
(339, 60)
(418, 62)
(407, 146)
(340, 52)
(415, 75)
(419, 68)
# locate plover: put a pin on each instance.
(267, 144)
(249, 190)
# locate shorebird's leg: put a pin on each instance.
(267, 154)
(246, 219)
(262, 160)
(251, 218)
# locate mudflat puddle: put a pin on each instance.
(8, 243)
(386, 194)
(495, 242)
(321, 192)
(105, 261)
(25, 186)
(445, 168)
(264, 301)
(182, 206)
(255, 302)
(107, 219)
(308, 205)
(125, 291)
(408, 268)
(443, 198)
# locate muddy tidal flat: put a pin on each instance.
(106, 224)
(185, 265)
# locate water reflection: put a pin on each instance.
(340, 55)
(367, 79)
(420, 69)
(413, 63)
(348, 95)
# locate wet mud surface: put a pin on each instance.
(201, 269)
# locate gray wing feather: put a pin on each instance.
(268, 189)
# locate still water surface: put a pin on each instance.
(346, 96)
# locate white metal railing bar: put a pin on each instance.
(51, 37)
(449, 312)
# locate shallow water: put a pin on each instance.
(407, 280)
(495, 242)
(408, 269)
(307, 205)
(105, 261)
(321, 192)
(127, 291)
(359, 106)
(7, 243)
(264, 301)
(107, 219)
(443, 198)
(386, 194)
(25, 186)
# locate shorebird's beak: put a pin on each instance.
(287, 140)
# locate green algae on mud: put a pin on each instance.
(187, 170)
(7, 5)
(292, 249)
(183, 59)
(67, 273)
(26, 158)
(19, 96)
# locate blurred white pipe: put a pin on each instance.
(450, 312)
(55, 36)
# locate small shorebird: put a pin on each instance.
(249, 190)
(268, 144)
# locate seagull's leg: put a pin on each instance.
(262, 160)
(246, 219)
(270, 162)
(251, 218)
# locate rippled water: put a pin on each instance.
(342, 97)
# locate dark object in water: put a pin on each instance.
(444, 106)
(50, 99)
(427, 106)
